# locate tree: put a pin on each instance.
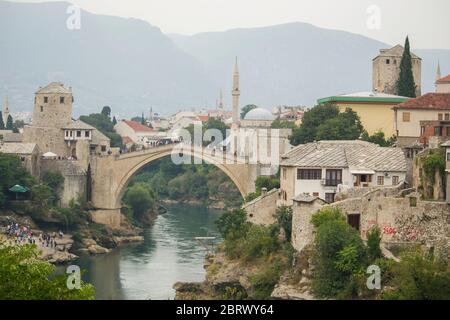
(54, 180)
(312, 119)
(142, 119)
(345, 126)
(140, 198)
(26, 277)
(378, 138)
(246, 109)
(114, 121)
(9, 123)
(106, 111)
(2, 124)
(104, 124)
(283, 124)
(405, 85)
(373, 243)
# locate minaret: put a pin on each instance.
(236, 93)
(221, 100)
(438, 72)
(5, 110)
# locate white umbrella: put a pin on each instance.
(49, 155)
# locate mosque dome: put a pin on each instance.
(259, 114)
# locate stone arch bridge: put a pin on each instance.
(111, 174)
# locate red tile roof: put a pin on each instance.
(431, 101)
(444, 79)
(137, 127)
(203, 118)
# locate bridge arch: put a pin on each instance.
(126, 178)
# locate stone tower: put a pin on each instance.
(6, 111)
(386, 70)
(53, 106)
(52, 113)
(438, 71)
(236, 94)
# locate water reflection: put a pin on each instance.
(148, 270)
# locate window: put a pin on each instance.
(395, 61)
(45, 99)
(333, 177)
(309, 174)
(315, 194)
(447, 116)
(395, 180)
(388, 61)
(440, 116)
(61, 99)
(406, 117)
(78, 133)
(42, 109)
(103, 148)
(448, 156)
(380, 180)
(329, 197)
(86, 134)
(438, 131)
(67, 133)
(422, 130)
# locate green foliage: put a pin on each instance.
(2, 123)
(378, 138)
(104, 124)
(25, 277)
(106, 111)
(234, 293)
(9, 123)
(373, 243)
(325, 122)
(141, 198)
(42, 195)
(326, 215)
(340, 254)
(246, 109)
(265, 281)
(419, 276)
(114, 121)
(405, 85)
(284, 220)
(54, 180)
(11, 173)
(432, 163)
(267, 182)
(232, 224)
(283, 124)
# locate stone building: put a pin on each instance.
(27, 152)
(386, 70)
(443, 85)
(6, 111)
(321, 169)
(446, 145)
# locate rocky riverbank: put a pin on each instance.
(235, 280)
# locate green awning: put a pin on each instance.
(19, 189)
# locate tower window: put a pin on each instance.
(388, 61)
(42, 109)
(61, 99)
(78, 133)
(45, 99)
(86, 134)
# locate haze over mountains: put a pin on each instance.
(131, 65)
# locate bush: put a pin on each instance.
(373, 244)
(140, 198)
(264, 282)
(339, 256)
(284, 220)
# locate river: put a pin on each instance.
(149, 269)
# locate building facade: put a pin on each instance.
(373, 108)
(409, 114)
(443, 85)
(321, 169)
(386, 70)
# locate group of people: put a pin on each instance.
(21, 234)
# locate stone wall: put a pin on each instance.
(262, 209)
(74, 175)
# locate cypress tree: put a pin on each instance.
(405, 84)
(142, 119)
(9, 123)
(2, 124)
(114, 121)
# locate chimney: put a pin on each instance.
(264, 191)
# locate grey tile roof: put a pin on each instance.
(345, 154)
(98, 137)
(18, 148)
(78, 124)
(54, 87)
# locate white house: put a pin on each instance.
(319, 168)
(139, 134)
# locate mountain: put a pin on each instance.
(125, 63)
(132, 66)
(296, 63)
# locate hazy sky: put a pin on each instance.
(426, 21)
